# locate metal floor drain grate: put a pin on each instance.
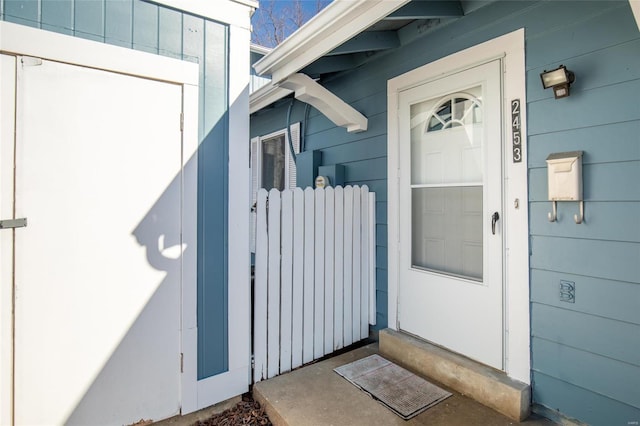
(400, 390)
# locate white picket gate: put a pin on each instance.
(314, 275)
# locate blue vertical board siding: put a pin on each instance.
(89, 19)
(600, 42)
(57, 15)
(25, 12)
(118, 22)
(145, 27)
(156, 29)
(170, 38)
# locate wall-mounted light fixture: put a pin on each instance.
(559, 79)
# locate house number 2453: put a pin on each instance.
(516, 134)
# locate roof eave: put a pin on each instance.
(338, 22)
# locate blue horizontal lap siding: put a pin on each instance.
(585, 354)
(151, 28)
(600, 42)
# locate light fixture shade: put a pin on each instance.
(560, 79)
(555, 77)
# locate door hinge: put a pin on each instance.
(253, 362)
(13, 223)
(181, 362)
(30, 61)
(182, 121)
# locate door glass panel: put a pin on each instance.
(447, 230)
(447, 184)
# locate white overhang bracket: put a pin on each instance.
(331, 106)
(635, 9)
(265, 96)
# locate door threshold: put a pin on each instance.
(485, 384)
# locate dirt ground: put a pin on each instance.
(246, 412)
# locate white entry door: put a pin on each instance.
(450, 189)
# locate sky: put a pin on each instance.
(277, 19)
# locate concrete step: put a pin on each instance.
(315, 395)
(486, 385)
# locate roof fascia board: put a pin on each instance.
(259, 49)
(251, 3)
(338, 22)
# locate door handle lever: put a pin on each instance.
(494, 218)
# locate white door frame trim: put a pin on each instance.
(510, 48)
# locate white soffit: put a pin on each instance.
(331, 106)
(635, 8)
(338, 22)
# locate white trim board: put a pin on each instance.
(7, 128)
(27, 41)
(510, 48)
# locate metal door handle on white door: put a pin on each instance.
(494, 218)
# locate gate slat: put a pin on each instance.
(273, 296)
(298, 277)
(286, 289)
(338, 315)
(357, 272)
(364, 255)
(309, 230)
(348, 265)
(318, 304)
(329, 300)
(372, 258)
(260, 290)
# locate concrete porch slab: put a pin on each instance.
(315, 395)
(486, 385)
